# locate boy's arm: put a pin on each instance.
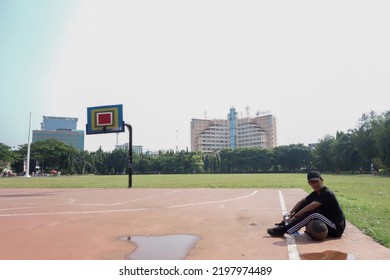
(307, 208)
(296, 207)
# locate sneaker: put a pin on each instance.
(277, 231)
(281, 224)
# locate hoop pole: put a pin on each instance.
(130, 154)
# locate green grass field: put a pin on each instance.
(364, 198)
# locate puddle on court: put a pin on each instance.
(164, 247)
(327, 255)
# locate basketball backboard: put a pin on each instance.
(105, 119)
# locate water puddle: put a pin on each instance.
(327, 255)
(165, 247)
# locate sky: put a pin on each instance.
(316, 65)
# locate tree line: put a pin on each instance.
(363, 149)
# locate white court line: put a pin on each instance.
(71, 202)
(19, 208)
(126, 210)
(211, 202)
(291, 246)
(153, 196)
(74, 213)
(124, 202)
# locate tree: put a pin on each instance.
(381, 134)
(292, 158)
(117, 161)
(83, 162)
(342, 152)
(364, 142)
(195, 164)
(98, 161)
(226, 159)
(211, 162)
(321, 155)
(52, 154)
(263, 160)
(142, 164)
(7, 156)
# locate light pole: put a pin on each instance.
(28, 150)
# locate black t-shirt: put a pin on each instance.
(330, 207)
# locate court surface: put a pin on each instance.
(101, 224)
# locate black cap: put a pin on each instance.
(314, 176)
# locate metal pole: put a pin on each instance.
(130, 154)
(28, 150)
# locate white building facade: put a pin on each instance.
(209, 136)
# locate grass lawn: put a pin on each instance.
(365, 198)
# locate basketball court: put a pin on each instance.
(104, 224)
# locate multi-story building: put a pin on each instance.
(62, 129)
(138, 150)
(56, 123)
(212, 135)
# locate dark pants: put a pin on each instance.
(334, 229)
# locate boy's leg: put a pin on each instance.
(297, 223)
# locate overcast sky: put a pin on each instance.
(316, 65)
